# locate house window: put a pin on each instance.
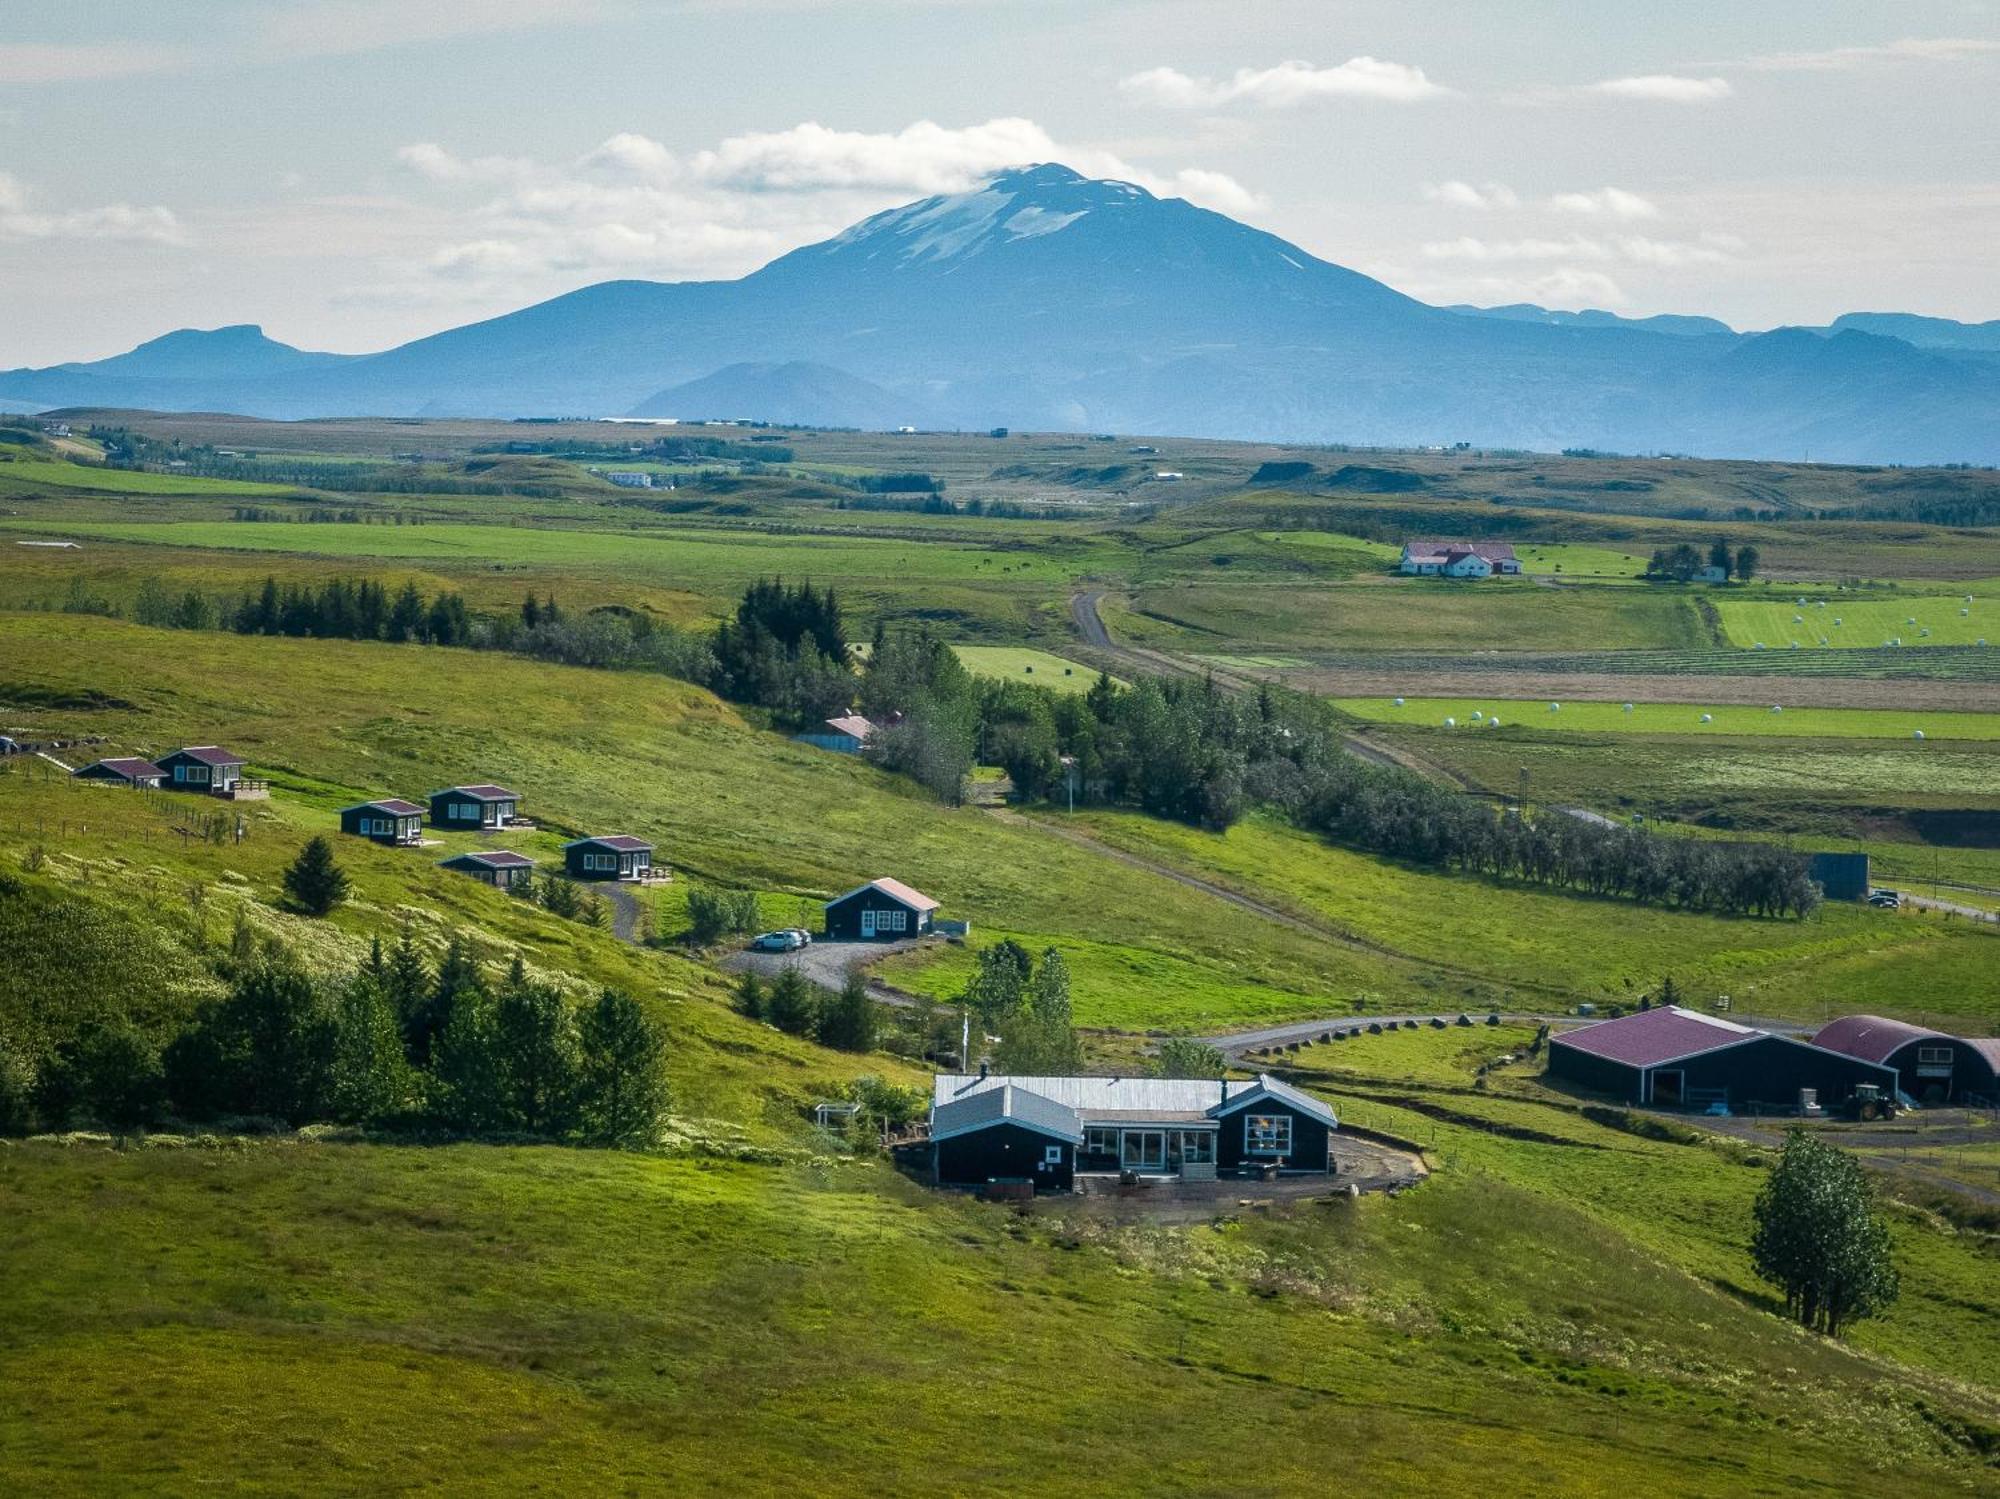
(1933, 1056)
(892, 921)
(1100, 1139)
(1267, 1134)
(197, 775)
(1052, 1155)
(464, 811)
(1197, 1147)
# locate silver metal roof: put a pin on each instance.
(1139, 1098)
(1012, 1105)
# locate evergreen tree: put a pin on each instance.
(469, 1083)
(750, 995)
(1748, 560)
(314, 881)
(622, 1069)
(535, 1039)
(791, 1003)
(406, 615)
(406, 980)
(267, 1049)
(847, 1022)
(1819, 1239)
(456, 986)
(371, 1080)
(1720, 556)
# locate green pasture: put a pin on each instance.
(1727, 721)
(38, 471)
(1847, 621)
(1018, 664)
(1578, 560)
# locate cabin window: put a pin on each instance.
(1933, 1056)
(1197, 1147)
(1267, 1134)
(1052, 1155)
(892, 921)
(1100, 1139)
(464, 811)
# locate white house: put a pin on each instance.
(1459, 559)
(1711, 574)
(631, 478)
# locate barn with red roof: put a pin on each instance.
(1680, 1058)
(1931, 1066)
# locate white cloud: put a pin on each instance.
(1286, 84)
(1664, 88)
(1456, 194)
(333, 28)
(1908, 49)
(114, 221)
(631, 206)
(1606, 202)
(1671, 253)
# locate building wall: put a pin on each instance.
(1596, 1073)
(442, 811)
(1004, 1150)
(629, 863)
(843, 918)
(1842, 876)
(1969, 1072)
(1309, 1139)
(1771, 1070)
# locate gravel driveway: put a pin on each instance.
(828, 964)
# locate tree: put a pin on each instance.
(791, 1003)
(1182, 1056)
(535, 1041)
(406, 980)
(267, 1049)
(456, 985)
(371, 1079)
(1000, 982)
(314, 881)
(847, 1021)
(559, 895)
(712, 912)
(1034, 1045)
(1720, 556)
(1669, 992)
(1048, 991)
(622, 1070)
(1748, 559)
(117, 1074)
(1818, 1238)
(469, 1084)
(750, 995)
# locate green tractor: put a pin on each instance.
(1869, 1102)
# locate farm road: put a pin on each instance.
(828, 964)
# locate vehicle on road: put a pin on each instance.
(1869, 1101)
(1888, 900)
(788, 940)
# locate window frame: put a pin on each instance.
(1052, 1155)
(1274, 1139)
(1935, 1056)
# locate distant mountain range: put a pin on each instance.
(1046, 300)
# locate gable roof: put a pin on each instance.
(1871, 1037)
(129, 767)
(485, 793)
(498, 858)
(206, 754)
(1138, 1098)
(851, 723)
(394, 805)
(1006, 1104)
(896, 890)
(1647, 1038)
(1492, 551)
(625, 843)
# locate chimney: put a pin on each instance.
(1223, 1084)
(982, 1069)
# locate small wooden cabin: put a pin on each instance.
(391, 820)
(610, 856)
(497, 867)
(469, 808)
(882, 910)
(123, 771)
(202, 767)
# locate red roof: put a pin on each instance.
(496, 859)
(208, 754)
(1647, 1038)
(130, 767)
(896, 890)
(1492, 551)
(851, 723)
(1869, 1037)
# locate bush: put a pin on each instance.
(792, 1003)
(848, 1021)
(712, 913)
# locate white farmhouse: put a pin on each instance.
(1459, 559)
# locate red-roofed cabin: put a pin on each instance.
(123, 771)
(880, 911)
(1676, 1058)
(469, 808)
(610, 856)
(202, 767)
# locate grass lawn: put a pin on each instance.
(1845, 620)
(1018, 664)
(1727, 721)
(1572, 560)
(38, 471)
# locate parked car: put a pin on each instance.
(789, 940)
(1888, 900)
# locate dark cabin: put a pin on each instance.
(1932, 1067)
(202, 767)
(1672, 1057)
(499, 868)
(391, 820)
(470, 808)
(123, 771)
(1191, 1128)
(880, 911)
(611, 856)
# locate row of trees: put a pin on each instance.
(353, 610)
(847, 1020)
(1680, 563)
(398, 1045)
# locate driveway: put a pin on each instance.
(828, 964)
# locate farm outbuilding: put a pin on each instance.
(391, 820)
(1931, 1066)
(882, 910)
(1048, 1129)
(846, 735)
(123, 770)
(609, 856)
(499, 867)
(1840, 876)
(1672, 1057)
(472, 807)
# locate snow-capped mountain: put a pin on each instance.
(1044, 299)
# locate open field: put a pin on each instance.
(1846, 622)
(1039, 668)
(1456, 681)
(1728, 721)
(31, 472)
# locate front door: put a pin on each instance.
(867, 923)
(1144, 1150)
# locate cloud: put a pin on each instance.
(1947, 49)
(1632, 248)
(1606, 202)
(633, 206)
(19, 220)
(1286, 84)
(1464, 195)
(44, 62)
(1664, 88)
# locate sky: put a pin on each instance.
(354, 173)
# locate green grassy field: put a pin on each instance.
(1575, 560)
(1017, 664)
(1847, 621)
(39, 471)
(1726, 720)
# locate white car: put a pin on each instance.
(789, 940)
